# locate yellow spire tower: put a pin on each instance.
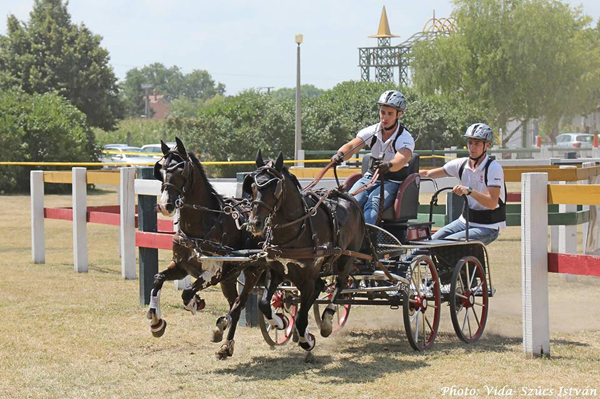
(384, 27)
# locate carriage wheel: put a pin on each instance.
(468, 299)
(341, 311)
(284, 305)
(421, 303)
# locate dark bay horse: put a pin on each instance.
(304, 240)
(205, 228)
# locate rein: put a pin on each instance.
(367, 185)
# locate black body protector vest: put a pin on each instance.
(487, 216)
(399, 175)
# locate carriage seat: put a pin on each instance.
(406, 204)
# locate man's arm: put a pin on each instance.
(351, 147)
(433, 173)
(400, 160)
(489, 200)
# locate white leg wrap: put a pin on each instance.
(155, 303)
(307, 338)
(276, 321)
(192, 305)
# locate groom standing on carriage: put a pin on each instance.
(391, 149)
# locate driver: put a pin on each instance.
(391, 148)
(482, 183)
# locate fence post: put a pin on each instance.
(534, 250)
(80, 254)
(147, 221)
(585, 226)
(38, 240)
(127, 225)
(567, 242)
(249, 316)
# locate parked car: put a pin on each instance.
(575, 140)
(125, 154)
(155, 149)
(111, 146)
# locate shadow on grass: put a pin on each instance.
(369, 355)
(349, 369)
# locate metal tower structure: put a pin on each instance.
(385, 58)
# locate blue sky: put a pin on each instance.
(248, 44)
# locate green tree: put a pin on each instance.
(196, 86)
(306, 92)
(235, 127)
(50, 53)
(40, 128)
(517, 59)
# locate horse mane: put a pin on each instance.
(198, 165)
(292, 177)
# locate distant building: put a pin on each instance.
(160, 106)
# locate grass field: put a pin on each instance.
(69, 335)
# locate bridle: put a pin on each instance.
(187, 175)
(276, 176)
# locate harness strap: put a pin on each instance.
(311, 212)
(367, 185)
(206, 247)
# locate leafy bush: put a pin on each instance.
(40, 128)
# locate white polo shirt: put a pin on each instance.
(475, 178)
(383, 149)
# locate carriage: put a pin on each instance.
(438, 272)
(400, 268)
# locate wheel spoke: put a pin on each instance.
(461, 296)
(473, 277)
(468, 273)
(469, 324)
(417, 328)
(476, 319)
(428, 323)
(465, 320)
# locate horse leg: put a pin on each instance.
(308, 294)
(341, 282)
(229, 289)
(172, 272)
(191, 301)
(264, 304)
(251, 277)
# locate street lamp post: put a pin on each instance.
(298, 135)
(146, 87)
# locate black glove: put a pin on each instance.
(338, 158)
(384, 168)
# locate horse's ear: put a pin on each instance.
(165, 148)
(279, 162)
(181, 148)
(259, 159)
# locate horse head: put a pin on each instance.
(176, 175)
(266, 186)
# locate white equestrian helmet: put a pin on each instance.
(480, 131)
(394, 99)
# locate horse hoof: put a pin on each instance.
(159, 329)
(201, 303)
(309, 343)
(327, 322)
(217, 335)
(225, 351)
